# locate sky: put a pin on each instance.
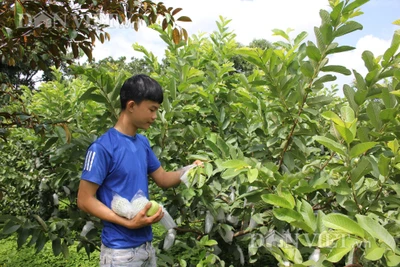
(255, 19)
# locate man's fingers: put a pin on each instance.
(198, 162)
(148, 206)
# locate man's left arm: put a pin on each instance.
(166, 179)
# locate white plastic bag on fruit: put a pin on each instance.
(185, 177)
(138, 202)
(122, 206)
(167, 220)
(209, 222)
(169, 239)
(88, 226)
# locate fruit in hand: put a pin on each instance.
(153, 209)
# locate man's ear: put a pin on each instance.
(130, 105)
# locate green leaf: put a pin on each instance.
(234, 164)
(342, 247)
(330, 144)
(307, 69)
(291, 252)
(389, 53)
(345, 133)
(313, 53)
(347, 114)
(230, 173)
(372, 77)
(7, 32)
(396, 22)
(87, 94)
(392, 260)
(97, 98)
(327, 238)
(335, 14)
(40, 242)
(56, 245)
(361, 148)
(373, 112)
(327, 33)
(23, 234)
(376, 230)
(287, 215)
(252, 175)
(325, 16)
(354, 5)
(277, 201)
(340, 49)
(330, 115)
(388, 114)
(361, 85)
(319, 100)
(308, 215)
(343, 223)
(360, 96)
(383, 165)
(213, 147)
(320, 39)
(374, 253)
(369, 60)
(18, 13)
(10, 227)
(349, 27)
(277, 32)
(325, 78)
(336, 68)
(394, 146)
(396, 93)
(299, 38)
(350, 95)
(363, 167)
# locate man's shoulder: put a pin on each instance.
(143, 139)
(105, 140)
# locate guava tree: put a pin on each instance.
(291, 170)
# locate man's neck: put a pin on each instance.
(124, 126)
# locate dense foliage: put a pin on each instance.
(35, 35)
(294, 175)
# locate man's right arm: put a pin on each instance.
(88, 202)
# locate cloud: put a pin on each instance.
(251, 18)
(122, 39)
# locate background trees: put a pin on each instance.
(38, 34)
(291, 170)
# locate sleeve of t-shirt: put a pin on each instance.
(96, 164)
(152, 161)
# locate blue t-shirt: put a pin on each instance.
(120, 163)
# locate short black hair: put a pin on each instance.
(138, 88)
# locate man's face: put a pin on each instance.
(143, 114)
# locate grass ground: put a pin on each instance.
(10, 256)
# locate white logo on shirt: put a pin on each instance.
(89, 160)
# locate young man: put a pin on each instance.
(119, 162)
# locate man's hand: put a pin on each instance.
(142, 220)
(198, 163)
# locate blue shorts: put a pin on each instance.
(143, 255)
